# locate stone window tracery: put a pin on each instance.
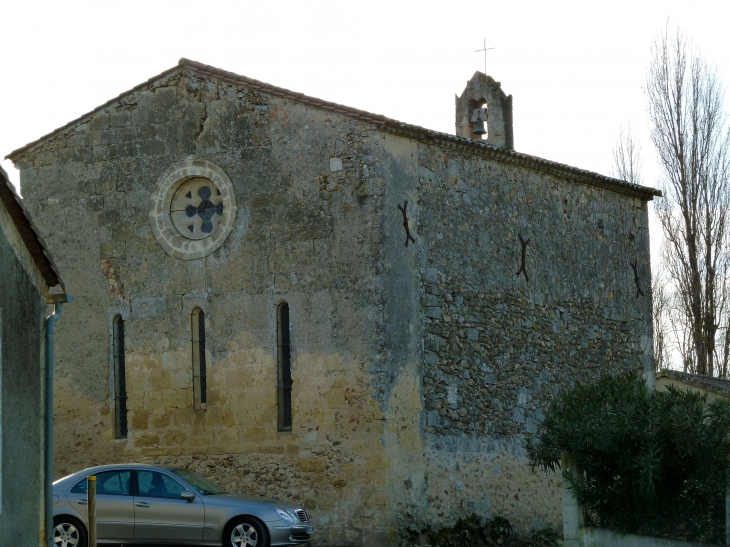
(197, 208)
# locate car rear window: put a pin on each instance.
(108, 483)
(199, 484)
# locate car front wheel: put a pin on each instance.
(68, 532)
(245, 532)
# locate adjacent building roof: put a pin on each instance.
(386, 124)
(707, 383)
(21, 218)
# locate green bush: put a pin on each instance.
(497, 532)
(651, 463)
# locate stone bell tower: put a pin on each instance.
(484, 112)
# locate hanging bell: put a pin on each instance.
(479, 128)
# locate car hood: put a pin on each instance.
(256, 500)
(244, 497)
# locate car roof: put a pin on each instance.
(117, 466)
(128, 466)
(100, 468)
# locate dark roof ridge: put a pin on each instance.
(29, 234)
(386, 124)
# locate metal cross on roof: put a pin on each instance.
(485, 49)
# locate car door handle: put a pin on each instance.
(142, 504)
(82, 502)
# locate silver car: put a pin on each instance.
(137, 504)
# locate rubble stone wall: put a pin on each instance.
(501, 341)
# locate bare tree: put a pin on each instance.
(690, 135)
(661, 309)
(627, 157)
(627, 166)
(681, 336)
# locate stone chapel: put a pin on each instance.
(300, 299)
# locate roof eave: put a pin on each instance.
(390, 125)
(31, 238)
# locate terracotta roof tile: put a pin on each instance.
(28, 232)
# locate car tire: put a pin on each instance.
(69, 532)
(245, 532)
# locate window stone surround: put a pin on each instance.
(169, 237)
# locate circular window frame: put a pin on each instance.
(169, 238)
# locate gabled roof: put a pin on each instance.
(390, 125)
(707, 383)
(29, 234)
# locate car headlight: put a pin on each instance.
(286, 515)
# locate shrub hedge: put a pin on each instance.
(650, 462)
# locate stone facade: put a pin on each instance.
(418, 365)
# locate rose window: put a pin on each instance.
(196, 208)
(193, 208)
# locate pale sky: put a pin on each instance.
(575, 68)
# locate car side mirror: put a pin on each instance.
(187, 496)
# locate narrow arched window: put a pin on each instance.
(120, 378)
(283, 347)
(197, 342)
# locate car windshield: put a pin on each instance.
(199, 484)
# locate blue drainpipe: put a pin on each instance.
(48, 483)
